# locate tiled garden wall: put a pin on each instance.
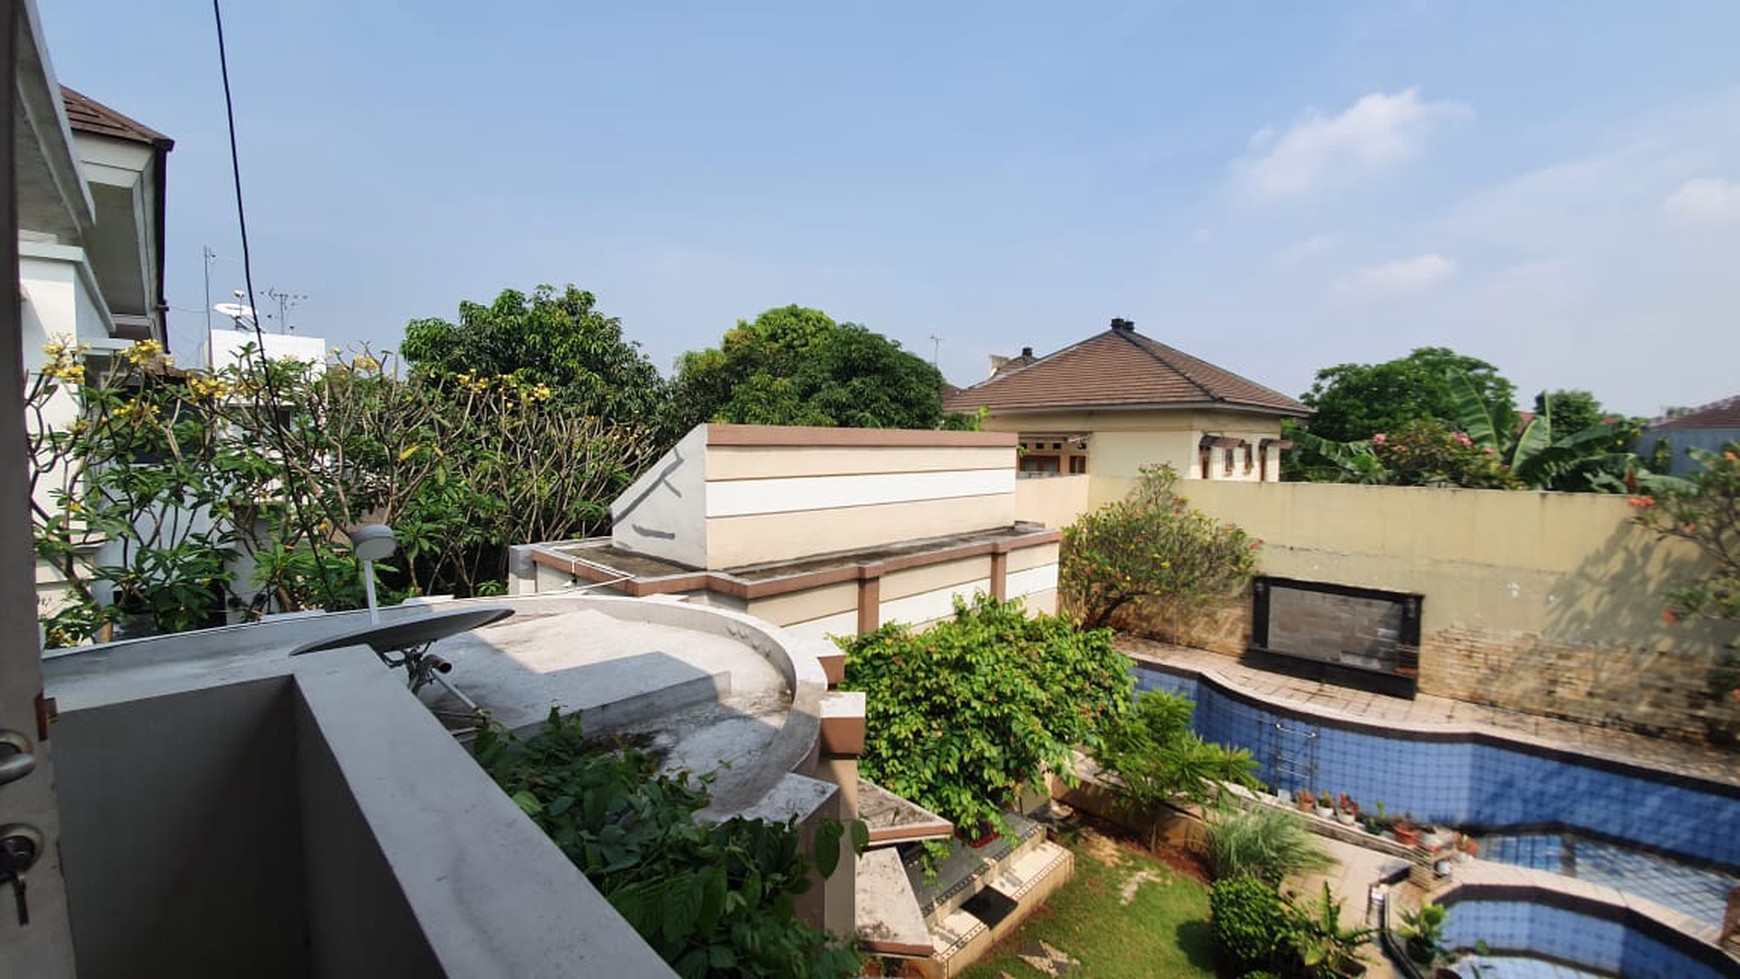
(1466, 779)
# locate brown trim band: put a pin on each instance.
(726, 583)
(806, 437)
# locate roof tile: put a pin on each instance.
(1119, 368)
(86, 115)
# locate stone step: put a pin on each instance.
(965, 871)
(888, 919)
(963, 935)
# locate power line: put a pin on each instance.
(290, 498)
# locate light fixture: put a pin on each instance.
(372, 542)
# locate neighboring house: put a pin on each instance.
(1709, 427)
(1119, 400)
(90, 238)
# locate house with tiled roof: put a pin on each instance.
(1710, 427)
(1118, 401)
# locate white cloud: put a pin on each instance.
(1307, 248)
(1704, 200)
(1374, 133)
(1402, 277)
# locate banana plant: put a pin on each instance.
(1539, 457)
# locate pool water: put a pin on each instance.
(1519, 967)
(1699, 892)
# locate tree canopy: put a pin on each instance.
(796, 366)
(1357, 401)
(558, 340)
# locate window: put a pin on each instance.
(1250, 462)
(1078, 464)
(1227, 461)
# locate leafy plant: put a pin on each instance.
(1151, 544)
(1326, 948)
(963, 714)
(1423, 933)
(1261, 842)
(713, 899)
(1254, 930)
(1157, 756)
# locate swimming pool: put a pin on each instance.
(1475, 780)
(1537, 934)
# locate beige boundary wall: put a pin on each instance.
(1547, 603)
(728, 496)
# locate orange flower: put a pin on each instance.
(1669, 616)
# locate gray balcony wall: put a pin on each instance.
(181, 839)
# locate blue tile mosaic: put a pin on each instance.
(1604, 947)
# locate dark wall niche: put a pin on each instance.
(1355, 637)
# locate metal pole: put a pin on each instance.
(206, 252)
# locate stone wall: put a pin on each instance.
(1347, 629)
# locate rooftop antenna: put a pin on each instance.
(210, 257)
(240, 313)
(935, 347)
(286, 302)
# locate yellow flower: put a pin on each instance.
(541, 392)
(143, 352)
(364, 362)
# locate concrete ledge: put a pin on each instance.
(843, 723)
(490, 892)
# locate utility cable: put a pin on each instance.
(292, 498)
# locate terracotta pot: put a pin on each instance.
(1407, 837)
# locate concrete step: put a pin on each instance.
(968, 870)
(963, 935)
(888, 919)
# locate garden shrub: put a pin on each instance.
(1151, 544)
(1261, 842)
(1253, 927)
(960, 716)
(713, 899)
(1158, 757)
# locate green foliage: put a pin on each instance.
(713, 899)
(1261, 842)
(796, 366)
(1704, 511)
(963, 714)
(1488, 448)
(1423, 933)
(1356, 401)
(558, 340)
(1157, 756)
(1151, 544)
(1326, 948)
(152, 484)
(1253, 927)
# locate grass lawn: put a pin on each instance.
(1157, 926)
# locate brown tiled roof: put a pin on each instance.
(86, 115)
(1717, 414)
(1120, 368)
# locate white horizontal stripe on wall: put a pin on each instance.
(932, 604)
(843, 624)
(744, 497)
(1029, 581)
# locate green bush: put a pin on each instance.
(713, 899)
(1157, 755)
(1253, 927)
(1261, 842)
(962, 715)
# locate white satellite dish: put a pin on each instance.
(235, 311)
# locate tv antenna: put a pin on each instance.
(286, 302)
(935, 348)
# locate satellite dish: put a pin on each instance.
(235, 311)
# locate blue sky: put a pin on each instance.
(1554, 187)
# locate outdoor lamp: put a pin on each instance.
(372, 542)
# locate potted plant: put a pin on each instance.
(1305, 800)
(1325, 805)
(1346, 810)
(1406, 833)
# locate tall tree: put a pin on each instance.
(559, 340)
(796, 366)
(1357, 401)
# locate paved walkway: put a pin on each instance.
(1441, 713)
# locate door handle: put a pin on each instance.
(18, 761)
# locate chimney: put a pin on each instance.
(1121, 325)
(1027, 352)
